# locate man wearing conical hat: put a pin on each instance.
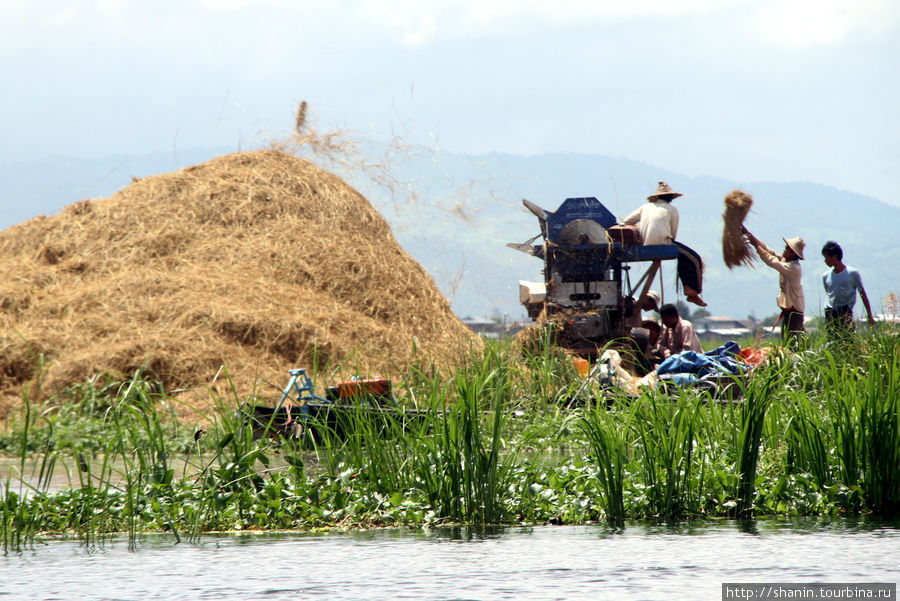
(657, 223)
(790, 298)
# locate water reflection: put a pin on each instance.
(748, 526)
(473, 533)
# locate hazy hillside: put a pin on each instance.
(456, 213)
(45, 187)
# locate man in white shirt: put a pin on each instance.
(657, 223)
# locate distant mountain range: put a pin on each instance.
(455, 214)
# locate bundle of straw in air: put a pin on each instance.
(735, 249)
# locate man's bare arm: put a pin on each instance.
(865, 300)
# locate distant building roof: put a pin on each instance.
(718, 322)
(493, 328)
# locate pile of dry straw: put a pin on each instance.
(249, 261)
(735, 249)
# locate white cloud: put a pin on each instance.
(49, 24)
(418, 21)
(781, 23)
(806, 23)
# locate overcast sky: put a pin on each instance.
(748, 90)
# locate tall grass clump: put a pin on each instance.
(661, 456)
(17, 527)
(609, 446)
(879, 396)
(447, 458)
(865, 408)
(545, 373)
(460, 468)
(843, 422)
(758, 394)
(666, 432)
(807, 442)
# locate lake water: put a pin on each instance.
(639, 561)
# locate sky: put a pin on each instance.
(749, 90)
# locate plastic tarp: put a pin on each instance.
(690, 367)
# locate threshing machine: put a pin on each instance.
(587, 290)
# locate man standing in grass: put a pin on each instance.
(841, 285)
(790, 298)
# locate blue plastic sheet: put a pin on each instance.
(717, 362)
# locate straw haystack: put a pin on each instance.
(736, 251)
(251, 261)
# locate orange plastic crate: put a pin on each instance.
(373, 387)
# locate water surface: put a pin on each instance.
(639, 561)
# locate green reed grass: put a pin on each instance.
(815, 432)
(666, 430)
(807, 450)
(609, 449)
(757, 397)
(546, 373)
(866, 409)
(460, 470)
(843, 431)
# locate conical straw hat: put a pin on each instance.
(663, 190)
(797, 245)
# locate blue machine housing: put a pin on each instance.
(577, 208)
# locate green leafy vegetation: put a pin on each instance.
(508, 438)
